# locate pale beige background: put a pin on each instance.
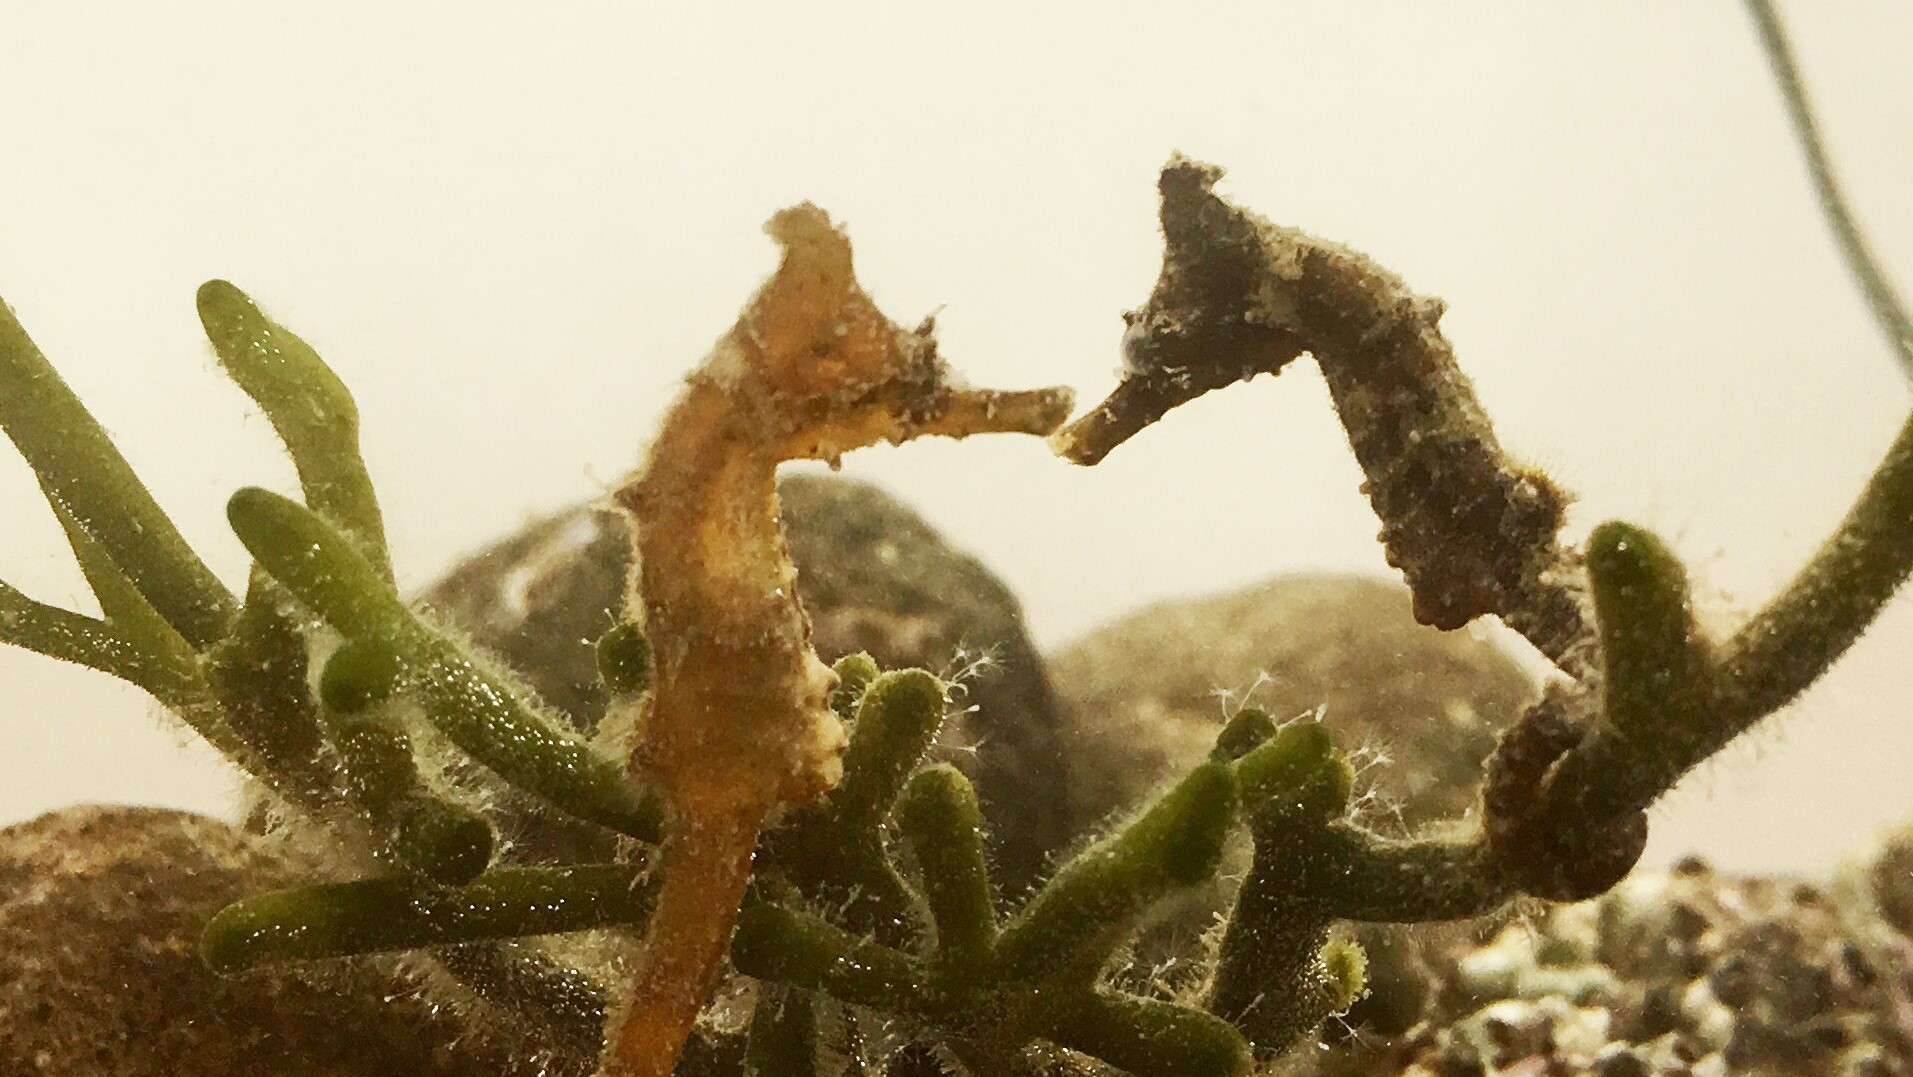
(510, 228)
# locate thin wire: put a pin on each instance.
(1888, 311)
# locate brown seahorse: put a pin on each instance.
(736, 723)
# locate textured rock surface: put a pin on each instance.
(874, 577)
(1681, 973)
(1144, 696)
(100, 914)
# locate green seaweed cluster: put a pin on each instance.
(348, 708)
(330, 691)
(325, 687)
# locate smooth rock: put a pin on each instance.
(1144, 697)
(1419, 709)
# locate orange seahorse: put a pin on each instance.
(736, 723)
